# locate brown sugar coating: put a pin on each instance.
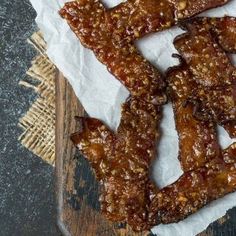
(195, 189)
(215, 76)
(223, 29)
(205, 58)
(197, 139)
(134, 19)
(88, 20)
(110, 33)
(121, 161)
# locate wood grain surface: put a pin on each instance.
(77, 190)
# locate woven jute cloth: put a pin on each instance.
(38, 124)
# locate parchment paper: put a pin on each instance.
(101, 95)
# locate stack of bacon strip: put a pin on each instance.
(209, 172)
(111, 33)
(121, 160)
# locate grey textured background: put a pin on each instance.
(26, 183)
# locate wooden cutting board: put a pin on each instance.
(76, 187)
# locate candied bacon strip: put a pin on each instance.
(223, 29)
(87, 20)
(195, 189)
(121, 161)
(205, 58)
(215, 76)
(135, 18)
(197, 139)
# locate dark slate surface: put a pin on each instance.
(26, 183)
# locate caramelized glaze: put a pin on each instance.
(215, 76)
(197, 139)
(223, 30)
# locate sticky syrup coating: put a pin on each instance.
(214, 74)
(197, 139)
(88, 20)
(223, 29)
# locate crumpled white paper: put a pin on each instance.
(101, 95)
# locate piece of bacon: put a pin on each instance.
(134, 19)
(197, 139)
(121, 161)
(87, 19)
(214, 74)
(223, 29)
(195, 189)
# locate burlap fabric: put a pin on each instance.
(39, 122)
